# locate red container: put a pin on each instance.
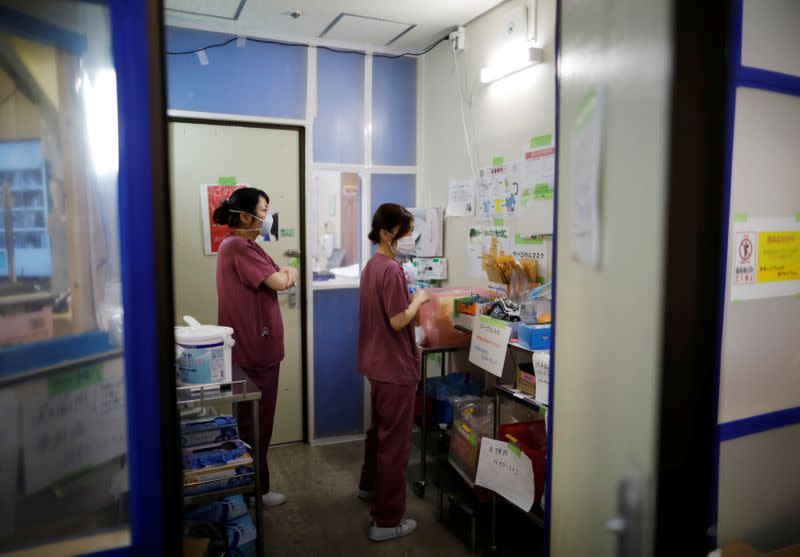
(532, 439)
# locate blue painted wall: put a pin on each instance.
(339, 126)
(394, 111)
(338, 387)
(258, 80)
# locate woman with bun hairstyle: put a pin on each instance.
(389, 358)
(248, 281)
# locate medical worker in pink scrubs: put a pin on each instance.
(248, 282)
(389, 358)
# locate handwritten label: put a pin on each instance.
(490, 344)
(9, 449)
(541, 368)
(73, 423)
(507, 471)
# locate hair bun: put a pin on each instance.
(222, 213)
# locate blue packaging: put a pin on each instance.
(535, 337)
(202, 456)
(203, 431)
(219, 512)
(242, 537)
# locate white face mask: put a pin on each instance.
(406, 246)
(266, 224)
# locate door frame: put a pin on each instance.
(301, 150)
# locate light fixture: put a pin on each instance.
(515, 61)
(100, 106)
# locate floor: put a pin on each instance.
(323, 516)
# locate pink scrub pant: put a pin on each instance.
(386, 450)
(266, 381)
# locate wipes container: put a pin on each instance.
(203, 353)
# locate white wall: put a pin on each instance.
(504, 115)
(608, 320)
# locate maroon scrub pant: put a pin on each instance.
(386, 450)
(266, 381)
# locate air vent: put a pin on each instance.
(367, 30)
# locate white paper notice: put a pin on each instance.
(461, 199)
(496, 194)
(507, 471)
(541, 368)
(765, 258)
(72, 421)
(489, 344)
(585, 173)
(9, 449)
(475, 248)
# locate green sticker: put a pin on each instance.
(515, 449)
(797, 295)
(541, 141)
(498, 161)
(736, 301)
(543, 191)
(499, 323)
(528, 241)
(740, 217)
(540, 280)
(294, 262)
(226, 180)
(797, 217)
(287, 232)
(527, 195)
(498, 222)
(74, 380)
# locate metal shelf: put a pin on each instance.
(520, 397)
(216, 393)
(460, 472)
(511, 343)
(215, 495)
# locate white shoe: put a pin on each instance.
(366, 494)
(273, 499)
(378, 534)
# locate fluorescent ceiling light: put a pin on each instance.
(523, 58)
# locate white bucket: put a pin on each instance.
(203, 353)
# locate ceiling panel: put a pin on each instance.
(360, 29)
(225, 9)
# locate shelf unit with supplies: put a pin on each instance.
(233, 393)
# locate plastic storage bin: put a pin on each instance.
(535, 337)
(531, 438)
(436, 318)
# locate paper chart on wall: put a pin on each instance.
(586, 150)
(461, 198)
(9, 449)
(765, 258)
(482, 239)
(496, 194)
(540, 166)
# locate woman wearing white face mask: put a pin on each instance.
(389, 358)
(248, 281)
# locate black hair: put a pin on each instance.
(387, 217)
(244, 200)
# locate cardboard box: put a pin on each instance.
(195, 547)
(741, 549)
(526, 380)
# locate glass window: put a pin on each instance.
(393, 188)
(339, 126)
(63, 440)
(336, 202)
(394, 111)
(259, 80)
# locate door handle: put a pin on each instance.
(626, 526)
(293, 253)
(292, 293)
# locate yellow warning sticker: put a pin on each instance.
(778, 256)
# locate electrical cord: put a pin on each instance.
(283, 43)
(461, 102)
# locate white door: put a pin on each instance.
(268, 159)
(608, 318)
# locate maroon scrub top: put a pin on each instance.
(247, 305)
(383, 353)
